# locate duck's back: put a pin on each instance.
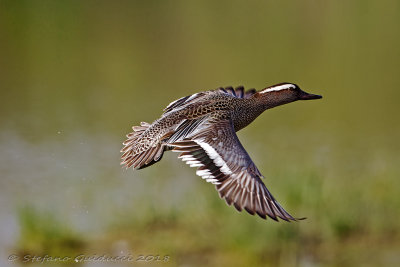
(146, 144)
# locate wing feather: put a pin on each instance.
(238, 91)
(230, 168)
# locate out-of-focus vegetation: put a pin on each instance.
(42, 233)
(76, 75)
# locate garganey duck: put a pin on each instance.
(202, 128)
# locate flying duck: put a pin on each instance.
(202, 128)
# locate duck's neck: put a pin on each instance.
(270, 99)
(257, 104)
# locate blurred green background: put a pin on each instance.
(76, 75)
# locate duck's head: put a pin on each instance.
(283, 93)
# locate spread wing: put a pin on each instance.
(222, 160)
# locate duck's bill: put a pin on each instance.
(307, 96)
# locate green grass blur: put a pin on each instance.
(76, 75)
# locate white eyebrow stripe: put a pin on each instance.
(278, 88)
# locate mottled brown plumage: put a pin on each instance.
(202, 127)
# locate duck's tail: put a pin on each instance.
(139, 154)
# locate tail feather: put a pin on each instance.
(142, 159)
(155, 155)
